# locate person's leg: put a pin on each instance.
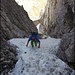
(32, 43)
(35, 43)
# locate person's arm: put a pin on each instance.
(27, 44)
(28, 41)
(39, 45)
(38, 41)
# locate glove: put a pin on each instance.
(26, 45)
(38, 46)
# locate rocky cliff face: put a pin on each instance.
(14, 23)
(58, 17)
(58, 22)
(66, 49)
(14, 20)
(7, 56)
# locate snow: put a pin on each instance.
(40, 28)
(39, 61)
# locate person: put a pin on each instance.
(34, 39)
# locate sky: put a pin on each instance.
(33, 7)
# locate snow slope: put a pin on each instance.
(39, 61)
(40, 28)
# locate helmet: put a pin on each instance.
(34, 33)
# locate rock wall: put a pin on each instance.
(14, 23)
(7, 56)
(58, 22)
(56, 18)
(66, 50)
(14, 20)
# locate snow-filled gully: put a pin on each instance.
(39, 61)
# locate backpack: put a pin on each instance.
(33, 38)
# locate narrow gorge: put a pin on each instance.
(58, 21)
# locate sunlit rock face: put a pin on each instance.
(35, 8)
(58, 21)
(58, 17)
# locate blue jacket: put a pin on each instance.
(35, 36)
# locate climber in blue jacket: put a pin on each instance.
(34, 39)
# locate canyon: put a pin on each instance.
(58, 21)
